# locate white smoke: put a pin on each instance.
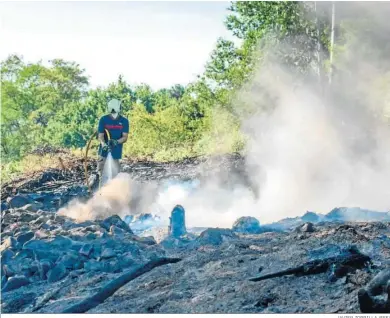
(312, 149)
(121, 196)
(314, 156)
(309, 151)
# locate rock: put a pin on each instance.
(131, 247)
(90, 236)
(68, 225)
(44, 266)
(76, 246)
(39, 221)
(29, 268)
(306, 228)
(96, 252)
(6, 256)
(70, 261)
(154, 253)
(25, 237)
(52, 255)
(23, 254)
(92, 228)
(108, 253)
(85, 224)
(117, 221)
(110, 242)
(32, 207)
(86, 250)
(103, 235)
(57, 273)
(92, 265)
(127, 260)
(114, 230)
(177, 226)
(215, 236)
(111, 267)
(15, 283)
(8, 271)
(60, 242)
(247, 224)
(36, 244)
(18, 201)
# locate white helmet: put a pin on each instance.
(113, 107)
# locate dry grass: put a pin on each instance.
(35, 163)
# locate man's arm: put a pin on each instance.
(125, 132)
(123, 139)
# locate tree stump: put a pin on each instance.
(177, 226)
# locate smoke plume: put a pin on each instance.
(311, 146)
(121, 196)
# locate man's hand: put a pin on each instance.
(112, 143)
(104, 147)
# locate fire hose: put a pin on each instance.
(86, 156)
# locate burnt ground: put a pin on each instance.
(50, 262)
(215, 278)
(70, 172)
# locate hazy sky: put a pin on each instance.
(159, 43)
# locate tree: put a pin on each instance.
(32, 95)
(144, 95)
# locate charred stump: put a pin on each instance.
(177, 226)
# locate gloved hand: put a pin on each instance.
(105, 147)
(112, 143)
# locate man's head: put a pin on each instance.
(114, 107)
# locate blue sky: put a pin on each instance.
(159, 43)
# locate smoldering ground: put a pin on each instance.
(121, 196)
